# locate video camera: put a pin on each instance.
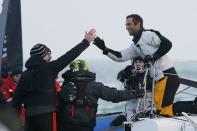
(133, 77)
(137, 72)
(132, 72)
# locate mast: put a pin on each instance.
(11, 42)
(3, 18)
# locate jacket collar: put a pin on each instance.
(137, 36)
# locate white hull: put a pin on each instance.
(166, 124)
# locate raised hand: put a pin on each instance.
(99, 43)
(90, 36)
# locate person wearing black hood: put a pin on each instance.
(80, 94)
(36, 88)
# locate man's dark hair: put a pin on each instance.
(136, 19)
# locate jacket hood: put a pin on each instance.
(34, 62)
(81, 75)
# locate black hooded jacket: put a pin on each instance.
(91, 91)
(36, 88)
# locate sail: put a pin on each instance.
(11, 37)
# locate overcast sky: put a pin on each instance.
(61, 24)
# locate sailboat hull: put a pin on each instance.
(164, 124)
(147, 124)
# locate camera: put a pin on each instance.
(137, 72)
(133, 77)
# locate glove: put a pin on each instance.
(149, 58)
(118, 120)
(139, 93)
(99, 43)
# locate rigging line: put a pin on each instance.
(121, 87)
(181, 119)
(189, 94)
(182, 90)
(125, 107)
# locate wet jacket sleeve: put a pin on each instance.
(116, 53)
(69, 56)
(123, 55)
(96, 90)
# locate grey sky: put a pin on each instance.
(61, 24)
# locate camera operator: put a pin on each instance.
(133, 78)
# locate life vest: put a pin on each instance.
(77, 109)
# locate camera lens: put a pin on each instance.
(138, 68)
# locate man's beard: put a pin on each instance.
(131, 33)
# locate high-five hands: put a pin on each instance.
(90, 35)
(99, 43)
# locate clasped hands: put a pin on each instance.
(91, 36)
